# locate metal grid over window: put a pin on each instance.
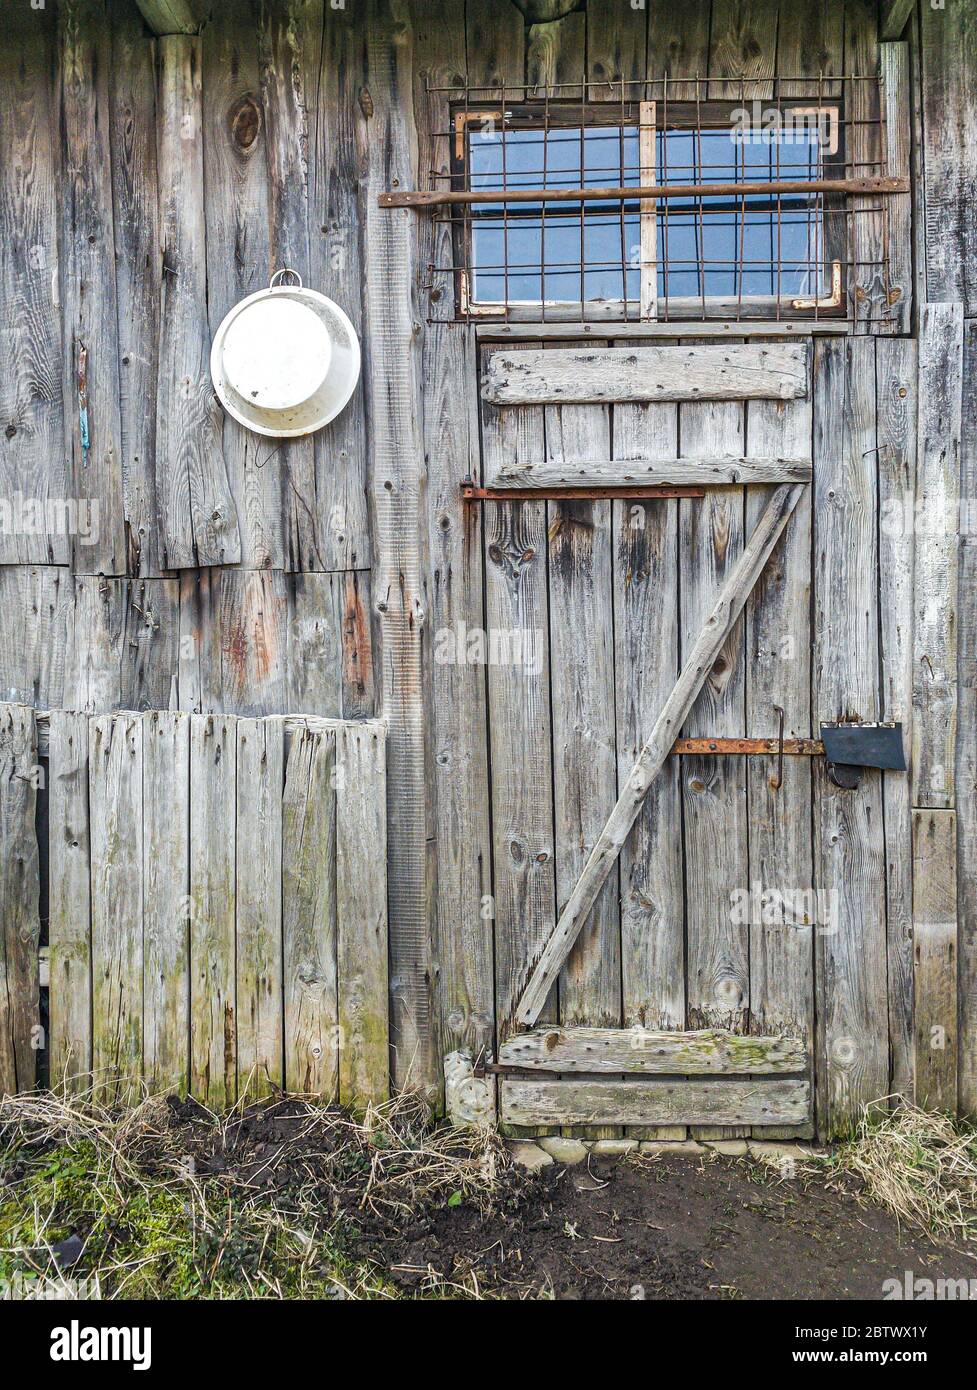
(762, 209)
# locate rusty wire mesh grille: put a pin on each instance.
(737, 253)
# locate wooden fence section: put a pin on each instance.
(217, 904)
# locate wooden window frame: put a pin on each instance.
(648, 307)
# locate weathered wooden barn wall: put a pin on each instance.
(146, 185)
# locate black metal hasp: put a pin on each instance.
(850, 747)
(432, 198)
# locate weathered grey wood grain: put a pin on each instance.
(718, 328)
(868, 292)
(709, 1051)
(233, 641)
(69, 902)
(115, 792)
(314, 658)
(582, 701)
(166, 901)
(553, 49)
(743, 49)
(895, 15)
(778, 673)
(237, 216)
(711, 536)
(935, 958)
(601, 374)
(20, 996)
(810, 43)
(896, 406)
(646, 611)
(639, 1102)
(966, 765)
(896, 151)
(138, 268)
(337, 139)
(398, 465)
(678, 47)
(935, 568)
(258, 930)
(707, 472)
(616, 42)
(849, 853)
(309, 915)
(33, 463)
(213, 848)
(35, 603)
(516, 603)
(122, 644)
(495, 36)
(290, 37)
(695, 671)
(87, 283)
(361, 916)
(948, 83)
(198, 521)
(465, 911)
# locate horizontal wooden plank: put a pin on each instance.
(653, 472)
(642, 1050)
(637, 1102)
(658, 328)
(693, 372)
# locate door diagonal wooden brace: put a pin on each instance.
(708, 645)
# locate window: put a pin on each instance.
(739, 252)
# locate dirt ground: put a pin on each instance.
(679, 1229)
(414, 1217)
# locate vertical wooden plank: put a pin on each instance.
(290, 37)
(361, 915)
(935, 575)
(69, 902)
(138, 268)
(868, 302)
(213, 848)
(948, 84)
(260, 783)
(314, 653)
(966, 765)
(810, 44)
(20, 998)
(252, 624)
(778, 673)
(714, 789)
(852, 1066)
(495, 38)
(678, 47)
(743, 49)
(87, 278)
(616, 38)
(198, 520)
(309, 915)
(896, 361)
(896, 152)
(236, 212)
(935, 958)
(32, 443)
(400, 512)
(337, 139)
(516, 605)
(35, 603)
(121, 648)
(115, 792)
(553, 49)
(646, 611)
(166, 900)
(357, 676)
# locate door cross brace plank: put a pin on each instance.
(728, 606)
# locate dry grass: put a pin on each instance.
(175, 1201)
(921, 1166)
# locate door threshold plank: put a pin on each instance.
(705, 1051)
(716, 1101)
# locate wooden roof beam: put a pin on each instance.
(169, 16)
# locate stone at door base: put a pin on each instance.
(613, 1148)
(529, 1155)
(563, 1150)
(729, 1148)
(782, 1155)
